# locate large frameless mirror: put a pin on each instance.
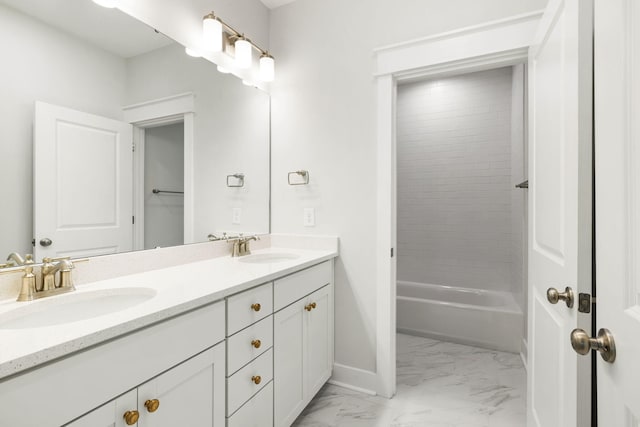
(113, 139)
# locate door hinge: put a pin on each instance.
(133, 220)
(584, 303)
(391, 252)
(133, 147)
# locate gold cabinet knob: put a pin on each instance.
(553, 296)
(131, 417)
(310, 307)
(256, 343)
(256, 379)
(255, 307)
(152, 405)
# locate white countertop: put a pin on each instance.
(178, 289)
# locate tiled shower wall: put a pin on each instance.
(454, 181)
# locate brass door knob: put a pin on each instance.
(256, 343)
(256, 379)
(255, 307)
(152, 405)
(131, 417)
(553, 296)
(582, 343)
(310, 307)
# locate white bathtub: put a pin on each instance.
(481, 318)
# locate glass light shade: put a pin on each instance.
(192, 52)
(243, 54)
(223, 70)
(267, 69)
(106, 3)
(212, 35)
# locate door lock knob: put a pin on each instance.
(553, 296)
(604, 343)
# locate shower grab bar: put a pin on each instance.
(156, 191)
(523, 184)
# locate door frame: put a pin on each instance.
(160, 112)
(490, 45)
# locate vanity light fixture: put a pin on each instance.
(212, 33)
(243, 53)
(220, 36)
(106, 3)
(267, 68)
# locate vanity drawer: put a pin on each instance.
(258, 412)
(248, 307)
(241, 385)
(241, 347)
(293, 287)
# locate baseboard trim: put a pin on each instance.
(355, 379)
(524, 350)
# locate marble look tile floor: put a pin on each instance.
(440, 384)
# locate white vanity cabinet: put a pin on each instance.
(191, 393)
(303, 340)
(254, 359)
(179, 361)
(250, 357)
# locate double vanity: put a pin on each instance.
(236, 341)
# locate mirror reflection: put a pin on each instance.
(113, 139)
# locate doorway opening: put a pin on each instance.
(163, 185)
(462, 242)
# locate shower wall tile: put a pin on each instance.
(454, 181)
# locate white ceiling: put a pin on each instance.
(110, 29)
(272, 4)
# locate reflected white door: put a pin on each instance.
(83, 183)
(560, 144)
(617, 135)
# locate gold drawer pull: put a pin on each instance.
(310, 307)
(256, 343)
(255, 307)
(256, 379)
(131, 417)
(152, 405)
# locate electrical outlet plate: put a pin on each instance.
(236, 215)
(309, 218)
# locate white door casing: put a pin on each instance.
(82, 183)
(560, 219)
(617, 133)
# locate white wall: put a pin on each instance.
(42, 63)
(454, 176)
(323, 120)
(164, 170)
(231, 134)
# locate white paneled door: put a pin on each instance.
(83, 183)
(560, 205)
(617, 154)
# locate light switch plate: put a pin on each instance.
(309, 217)
(236, 215)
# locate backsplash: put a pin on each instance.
(110, 266)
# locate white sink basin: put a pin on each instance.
(74, 307)
(268, 258)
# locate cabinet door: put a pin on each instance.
(191, 394)
(319, 339)
(288, 363)
(110, 414)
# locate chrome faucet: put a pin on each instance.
(241, 245)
